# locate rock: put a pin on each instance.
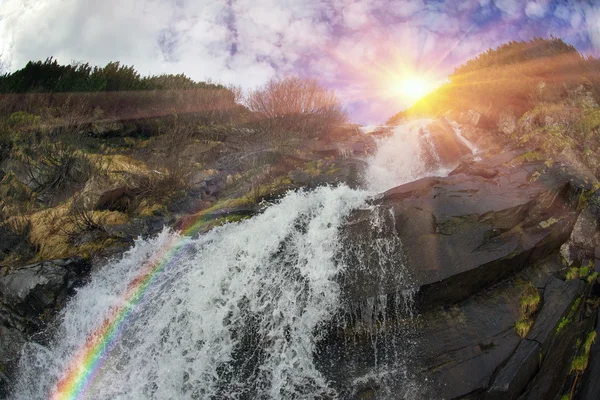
(558, 296)
(462, 233)
(349, 171)
(11, 342)
(590, 388)
(514, 376)
(550, 382)
(444, 148)
(143, 227)
(452, 351)
(577, 167)
(300, 177)
(580, 97)
(31, 296)
(200, 180)
(507, 121)
(35, 289)
(118, 199)
(512, 379)
(101, 193)
(476, 119)
(584, 238)
(19, 169)
(459, 348)
(359, 145)
(475, 169)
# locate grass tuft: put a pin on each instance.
(523, 326)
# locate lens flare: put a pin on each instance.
(412, 88)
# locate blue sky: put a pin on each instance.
(358, 47)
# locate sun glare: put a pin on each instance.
(412, 88)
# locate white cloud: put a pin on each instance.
(535, 10)
(511, 8)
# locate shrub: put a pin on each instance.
(80, 221)
(294, 107)
(55, 169)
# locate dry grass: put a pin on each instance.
(51, 228)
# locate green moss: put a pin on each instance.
(589, 340)
(573, 273)
(313, 168)
(562, 324)
(523, 326)
(566, 320)
(584, 270)
(581, 360)
(579, 363)
(530, 156)
(592, 277)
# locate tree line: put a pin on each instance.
(51, 77)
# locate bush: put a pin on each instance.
(56, 170)
(295, 107)
(81, 221)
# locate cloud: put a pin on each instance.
(510, 8)
(351, 45)
(535, 10)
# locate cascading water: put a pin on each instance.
(399, 157)
(238, 312)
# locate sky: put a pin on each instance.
(360, 48)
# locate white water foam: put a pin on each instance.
(398, 159)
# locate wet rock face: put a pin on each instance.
(30, 297)
(463, 233)
(442, 147)
(467, 242)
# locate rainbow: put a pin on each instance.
(87, 362)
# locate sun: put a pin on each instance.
(412, 88)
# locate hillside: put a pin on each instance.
(90, 158)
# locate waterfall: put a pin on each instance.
(399, 157)
(236, 313)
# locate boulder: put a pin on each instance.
(35, 289)
(31, 296)
(590, 388)
(458, 348)
(512, 379)
(507, 121)
(514, 376)
(476, 119)
(581, 97)
(460, 234)
(550, 382)
(102, 193)
(11, 342)
(454, 351)
(19, 169)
